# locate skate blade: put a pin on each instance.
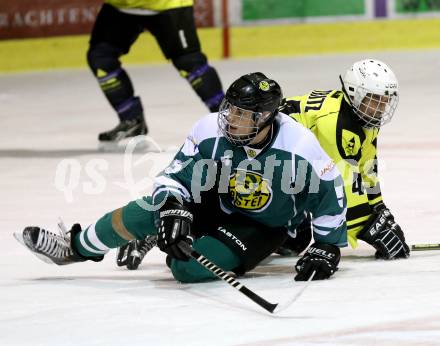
(142, 144)
(121, 256)
(133, 262)
(19, 238)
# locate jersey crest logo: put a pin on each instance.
(249, 191)
(351, 143)
(251, 152)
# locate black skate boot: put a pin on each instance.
(125, 129)
(51, 247)
(132, 253)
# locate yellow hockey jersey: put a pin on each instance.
(152, 5)
(352, 147)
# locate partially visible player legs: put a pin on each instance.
(175, 31)
(202, 77)
(116, 85)
(112, 36)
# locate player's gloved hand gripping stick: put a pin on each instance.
(174, 228)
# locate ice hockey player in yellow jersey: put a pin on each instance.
(347, 122)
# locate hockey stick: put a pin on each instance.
(425, 247)
(298, 294)
(220, 273)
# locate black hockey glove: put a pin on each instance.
(175, 222)
(323, 259)
(385, 235)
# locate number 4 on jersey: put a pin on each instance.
(357, 186)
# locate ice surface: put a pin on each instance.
(47, 118)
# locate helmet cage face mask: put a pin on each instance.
(372, 90)
(374, 110)
(240, 126)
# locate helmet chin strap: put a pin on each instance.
(266, 140)
(344, 90)
(350, 103)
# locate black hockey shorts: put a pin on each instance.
(251, 241)
(173, 29)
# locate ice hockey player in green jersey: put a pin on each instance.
(346, 123)
(241, 181)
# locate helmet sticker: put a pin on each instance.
(264, 85)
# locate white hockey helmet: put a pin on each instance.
(372, 89)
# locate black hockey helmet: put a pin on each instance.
(256, 92)
(252, 92)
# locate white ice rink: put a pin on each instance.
(46, 118)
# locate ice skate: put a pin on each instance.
(51, 247)
(132, 253)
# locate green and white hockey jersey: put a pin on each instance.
(274, 185)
